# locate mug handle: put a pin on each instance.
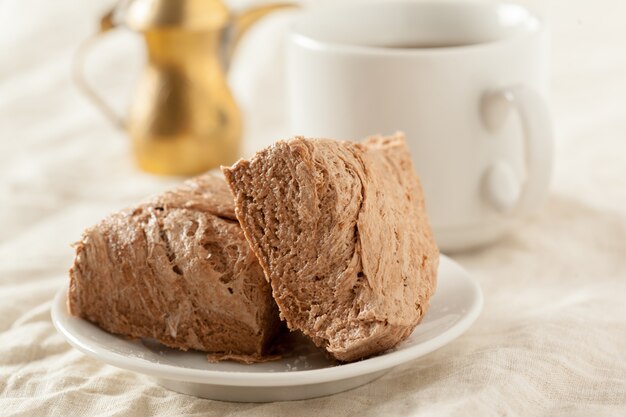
(107, 23)
(501, 187)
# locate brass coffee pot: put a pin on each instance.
(183, 119)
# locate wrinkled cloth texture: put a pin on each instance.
(551, 340)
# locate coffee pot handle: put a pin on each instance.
(106, 24)
(502, 188)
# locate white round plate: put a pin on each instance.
(307, 373)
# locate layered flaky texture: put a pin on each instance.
(178, 269)
(341, 231)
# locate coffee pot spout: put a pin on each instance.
(239, 25)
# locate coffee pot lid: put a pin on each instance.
(142, 15)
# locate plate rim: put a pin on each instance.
(265, 379)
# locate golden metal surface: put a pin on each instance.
(193, 15)
(183, 119)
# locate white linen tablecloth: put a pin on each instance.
(551, 339)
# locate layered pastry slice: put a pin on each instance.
(341, 231)
(176, 269)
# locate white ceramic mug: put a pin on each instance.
(464, 81)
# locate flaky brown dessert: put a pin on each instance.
(341, 231)
(177, 269)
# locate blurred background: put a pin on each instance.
(63, 165)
